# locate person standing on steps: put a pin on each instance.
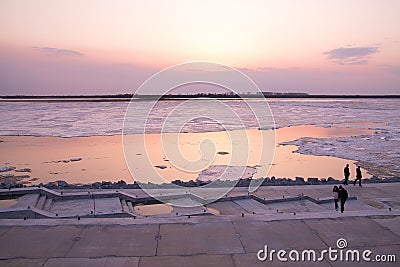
(336, 196)
(346, 174)
(358, 176)
(342, 197)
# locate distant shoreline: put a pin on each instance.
(128, 97)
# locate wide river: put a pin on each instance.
(68, 119)
(326, 132)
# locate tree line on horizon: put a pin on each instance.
(197, 95)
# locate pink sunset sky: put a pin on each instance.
(109, 47)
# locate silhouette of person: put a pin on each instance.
(346, 174)
(336, 196)
(342, 197)
(358, 176)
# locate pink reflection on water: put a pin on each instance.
(103, 158)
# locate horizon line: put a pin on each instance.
(127, 97)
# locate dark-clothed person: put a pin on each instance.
(336, 196)
(358, 176)
(342, 197)
(346, 174)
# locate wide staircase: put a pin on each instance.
(44, 202)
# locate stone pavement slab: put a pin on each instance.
(389, 190)
(366, 191)
(393, 224)
(22, 262)
(116, 240)
(189, 239)
(188, 210)
(76, 207)
(107, 205)
(251, 205)
(122, 262)
(38, 241)
(188, 261)
(350, 205)
(75, 262)
(277, 235)
(227, 208)
(314, 192)
(392, 203)
(358, 231)
(295, 206)
(277, 192)
(4, 230)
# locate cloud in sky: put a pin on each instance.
(57, 52)
(351, 55)
(21, 73)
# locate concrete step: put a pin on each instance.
(28, 200)
(130, 207)
(251, 205)
(41, 202)
(48, 204)
(124, 205)
(107, 205)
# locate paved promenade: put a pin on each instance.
(372, 222)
